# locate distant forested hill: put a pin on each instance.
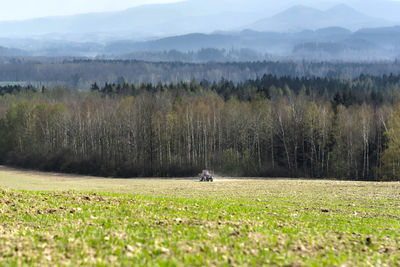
(332, 43)
(10, 52)
(326, 44)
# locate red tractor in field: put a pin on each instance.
(206, 176)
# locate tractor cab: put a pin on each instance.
(206, 176)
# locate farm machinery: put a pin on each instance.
(206, 176)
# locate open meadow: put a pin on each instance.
(54, 219)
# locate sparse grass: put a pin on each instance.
(67, 220)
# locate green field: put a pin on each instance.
(51, 219)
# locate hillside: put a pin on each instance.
(335, 42)
(299, 18)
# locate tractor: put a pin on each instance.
(206, 176)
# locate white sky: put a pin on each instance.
(24, 9)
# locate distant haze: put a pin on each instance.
(27, 9)
(154, 18)
(331, 29)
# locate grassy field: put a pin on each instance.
(51, 219)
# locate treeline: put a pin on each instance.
(375, 90)
(270, 127)
(201, 56)
(80, 74)
(15, 89)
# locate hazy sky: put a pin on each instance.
(24, 9)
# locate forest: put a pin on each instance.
(81, 73)
(268, 127)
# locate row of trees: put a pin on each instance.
(201, 56)
(80, 74)
(363, 89)
(173, 131)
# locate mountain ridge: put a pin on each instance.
(301, 17)
(161, 20)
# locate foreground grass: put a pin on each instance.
(66, 220)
